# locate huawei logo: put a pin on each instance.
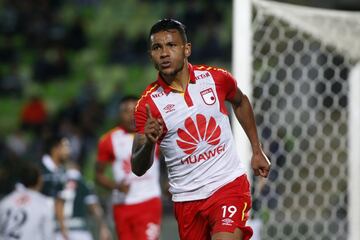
(196, 132)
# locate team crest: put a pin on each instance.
(208, 96)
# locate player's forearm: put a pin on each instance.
(59, 213)
(245, 115)
(142, 158)
(98, 214)
(105, 182)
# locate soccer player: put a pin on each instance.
(136, 200)
(78, 198)
(184, 112)
(26, 213)
(57, 151)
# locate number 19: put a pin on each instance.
(231, 209)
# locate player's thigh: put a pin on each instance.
(228, 217)
(147, 222)
(123, 226)
(236, 235)
(191, 223)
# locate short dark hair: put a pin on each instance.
(168, 24)
(128, 98)
(52, 141)
(29, 174)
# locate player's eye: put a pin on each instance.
(155, 48)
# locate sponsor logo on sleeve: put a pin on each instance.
(227, 222)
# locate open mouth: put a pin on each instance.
(165, 64)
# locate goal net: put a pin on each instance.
(302, 58)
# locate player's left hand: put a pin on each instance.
(260, 163)
(104, 233)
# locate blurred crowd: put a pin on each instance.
(35, 34)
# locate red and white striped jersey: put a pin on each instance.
(115, 147)
(197, 142)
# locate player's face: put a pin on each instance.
(64, 149)
(127, 120)
(169, 52)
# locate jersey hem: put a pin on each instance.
(190, 196)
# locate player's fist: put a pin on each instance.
(260, 164)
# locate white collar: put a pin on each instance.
(49, 163)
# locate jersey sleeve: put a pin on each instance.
(89, 194)
(140, 109)
(140, 115)
(105, 149)
(226, 85)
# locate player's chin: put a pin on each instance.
(168, 72)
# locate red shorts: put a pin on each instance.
(138, 221)
(224, 211)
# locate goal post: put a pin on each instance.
(242, 57)
(295, 63)
(354, 154)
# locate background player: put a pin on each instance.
(136, 200)
(184, 111)
(56, 154)
(26, 213)
(78, 200)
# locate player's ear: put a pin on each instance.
(187, 49)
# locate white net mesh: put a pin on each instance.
(300, 97)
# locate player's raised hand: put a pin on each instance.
(153, 127)
(260, 164)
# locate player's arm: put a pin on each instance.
(60, 217)
(105, 181)
(144, 145)
(142, 154)
(245, 115)
(97, 212)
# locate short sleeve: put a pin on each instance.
(90, 196)
(228, 85)
(105, 149)
(140, 116)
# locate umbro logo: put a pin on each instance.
(198, 131)
(227, 221)
(169, 108)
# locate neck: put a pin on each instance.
(56, 160)
(180, 80)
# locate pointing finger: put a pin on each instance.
(148, 112)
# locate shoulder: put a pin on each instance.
(7, 198)
(211, 69)
(107, 135)
(146, 95)
(217, 73)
